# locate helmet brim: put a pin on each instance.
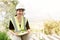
(20, 9)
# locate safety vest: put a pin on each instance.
(16, 24)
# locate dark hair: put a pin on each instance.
(16, 14)
(20, 9)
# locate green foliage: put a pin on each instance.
(3, 36)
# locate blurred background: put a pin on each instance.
(40, 13)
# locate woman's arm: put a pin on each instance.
(11, 28)
(28, 27)
(13, 33)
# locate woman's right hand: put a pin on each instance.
(13, 33)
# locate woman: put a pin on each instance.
(20, 21)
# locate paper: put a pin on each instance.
(22, 33)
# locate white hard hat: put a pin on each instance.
(20, 6)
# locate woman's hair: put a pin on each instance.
(20, 9)
(16, 14)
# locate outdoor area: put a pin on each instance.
(43, 17)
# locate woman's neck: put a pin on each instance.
(19, 17)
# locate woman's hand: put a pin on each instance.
(13, 33)
(28, 31)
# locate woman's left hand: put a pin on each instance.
(28, 31)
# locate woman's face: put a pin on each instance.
(19, 12)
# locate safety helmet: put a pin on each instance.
(20, 6)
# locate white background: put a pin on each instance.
(42, 8)
(39, 10)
